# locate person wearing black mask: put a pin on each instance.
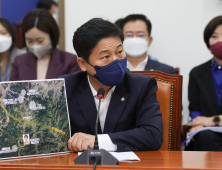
(130, 117)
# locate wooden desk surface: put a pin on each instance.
(149, 160)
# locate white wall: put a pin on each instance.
(177, 28)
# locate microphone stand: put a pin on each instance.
(96, 156)
(96, 145)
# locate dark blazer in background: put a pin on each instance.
(133, 120)
(24, 66)
(155, 65)
(201, 92)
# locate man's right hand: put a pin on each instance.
(80, 142)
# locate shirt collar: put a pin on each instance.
(214, 65)
(94, 92)
(142, 62)
(146, 59)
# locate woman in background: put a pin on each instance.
(8, 51)
(205, 92)
(44, 60)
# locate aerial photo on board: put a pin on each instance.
(33, 118)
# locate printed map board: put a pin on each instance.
(34, 118)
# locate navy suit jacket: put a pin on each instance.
(24, 66)
(132, 124)
(155, 65)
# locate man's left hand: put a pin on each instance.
(80, 142)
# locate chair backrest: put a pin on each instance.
(177, 69)
(169, 95)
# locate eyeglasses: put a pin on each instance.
(139, 35)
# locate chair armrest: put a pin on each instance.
(184, 130)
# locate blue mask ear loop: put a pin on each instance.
(92, 66)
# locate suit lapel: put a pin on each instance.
(31, 69)
(208, 83)
(116, 107)
(150, 65)
(87, 104)
(55, 65)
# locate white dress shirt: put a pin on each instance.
(104, 139)
(140, 67)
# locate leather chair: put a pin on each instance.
(184, 128)
(184, 131)
(169, 95)
(20, 43)
(177, 69)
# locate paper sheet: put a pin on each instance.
(123, 156)
(214, 128)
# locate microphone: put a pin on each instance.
(100, 95)
(96, 156)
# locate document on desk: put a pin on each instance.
(123, 156)
(34, 118)
(215, 129)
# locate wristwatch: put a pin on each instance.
(216, 120)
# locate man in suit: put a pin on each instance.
(130, 117)
(137, 33)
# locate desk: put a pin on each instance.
(149, 160)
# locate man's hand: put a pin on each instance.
(202, 120)
(196, 128)
(80, 142)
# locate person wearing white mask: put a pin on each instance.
(44, 60)
(8, 51)
(137, 40)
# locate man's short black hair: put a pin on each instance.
(118, 22)
(46, 4)
(89, 34)
(134, 17)
(211, 26)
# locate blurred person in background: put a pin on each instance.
(8, 51)
(137, 40)
(118, 22)
(50, 6)
(43, 60)
(205, 92)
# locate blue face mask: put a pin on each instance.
(111, 74)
